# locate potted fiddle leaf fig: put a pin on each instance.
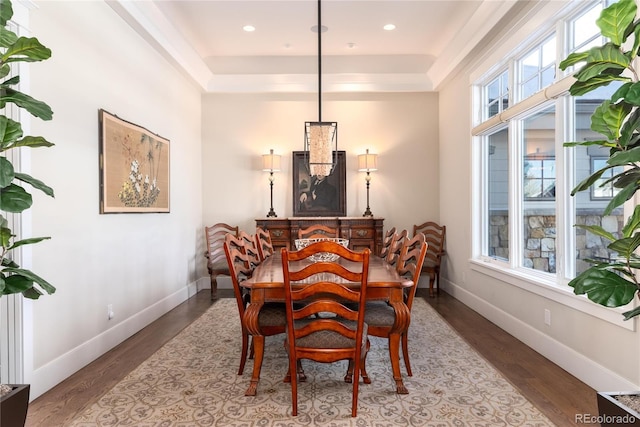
(613, 282)
(14, 187)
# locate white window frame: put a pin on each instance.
(551, 286)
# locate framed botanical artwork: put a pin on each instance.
(134, 167)
(319, 195)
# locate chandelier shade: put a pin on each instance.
(320, 138)
(321, 144)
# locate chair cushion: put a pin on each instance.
(327, 339)
(272, 314)
(379, 313)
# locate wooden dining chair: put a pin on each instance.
(435, 235)
(324, 329)
(396, 247)
(250, 248)
(317, 231)
(272, 316)
(263, 242)
(386, 242)
(216, 261)
(379, 315)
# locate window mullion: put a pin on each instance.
(516, 206)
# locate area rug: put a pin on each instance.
(193, 381)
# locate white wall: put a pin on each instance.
(402, 128)
(143, 264)
(602, 354)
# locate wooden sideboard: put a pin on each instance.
(362, 232)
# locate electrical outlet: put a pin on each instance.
(110, 311)
(547, 317)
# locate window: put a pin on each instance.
(537, 68)
(539, 178)
(498, 196)
(496, 95)
(603, 190)
(526, 175)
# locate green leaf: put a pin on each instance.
(597, 69)
(10, 131)
(625, 178)
(14, 199)
(35, 183)
(7, 172)
(5, 237)
(602, 142)
(633, 223)
(626, 246)
(5, 69)
(598, 231)
(579, 88)
(621, 92)
(32, 142)
(36, 108)
(620, 158)
(46, 286)
(573, 59)
(26, 49)
(633, 94)
(15, 284)
(630, 126)
(6, 11)
(631, 313)
(586, 183)
(608, 118)
(29, 241)
(615, 19)
(604, 287)
(7, 37)
(625, 194)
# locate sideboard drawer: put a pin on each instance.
(363, 233)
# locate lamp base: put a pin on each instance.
(271, 213)
(367, 212)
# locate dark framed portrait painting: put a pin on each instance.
(319, 195)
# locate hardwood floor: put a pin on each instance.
(554, 391)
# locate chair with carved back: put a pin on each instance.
(395, 247)
(323, 329)
(380, 316)
(272, 316)
(386, 242)
(216, 261)
(250, 248)
(435, 235)
(317, 231)
(263, 242)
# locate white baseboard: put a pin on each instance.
(588, 371)
(54, 372)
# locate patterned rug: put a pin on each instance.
(192, 381)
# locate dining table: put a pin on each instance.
(383, 284)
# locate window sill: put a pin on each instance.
(544, 285)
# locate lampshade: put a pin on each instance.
(367, 162)
(271, 162)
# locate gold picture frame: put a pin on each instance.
(134, 167)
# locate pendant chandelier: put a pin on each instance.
(320, 138)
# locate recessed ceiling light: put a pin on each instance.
(389, 27)
(351, 45)
(249, 28)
